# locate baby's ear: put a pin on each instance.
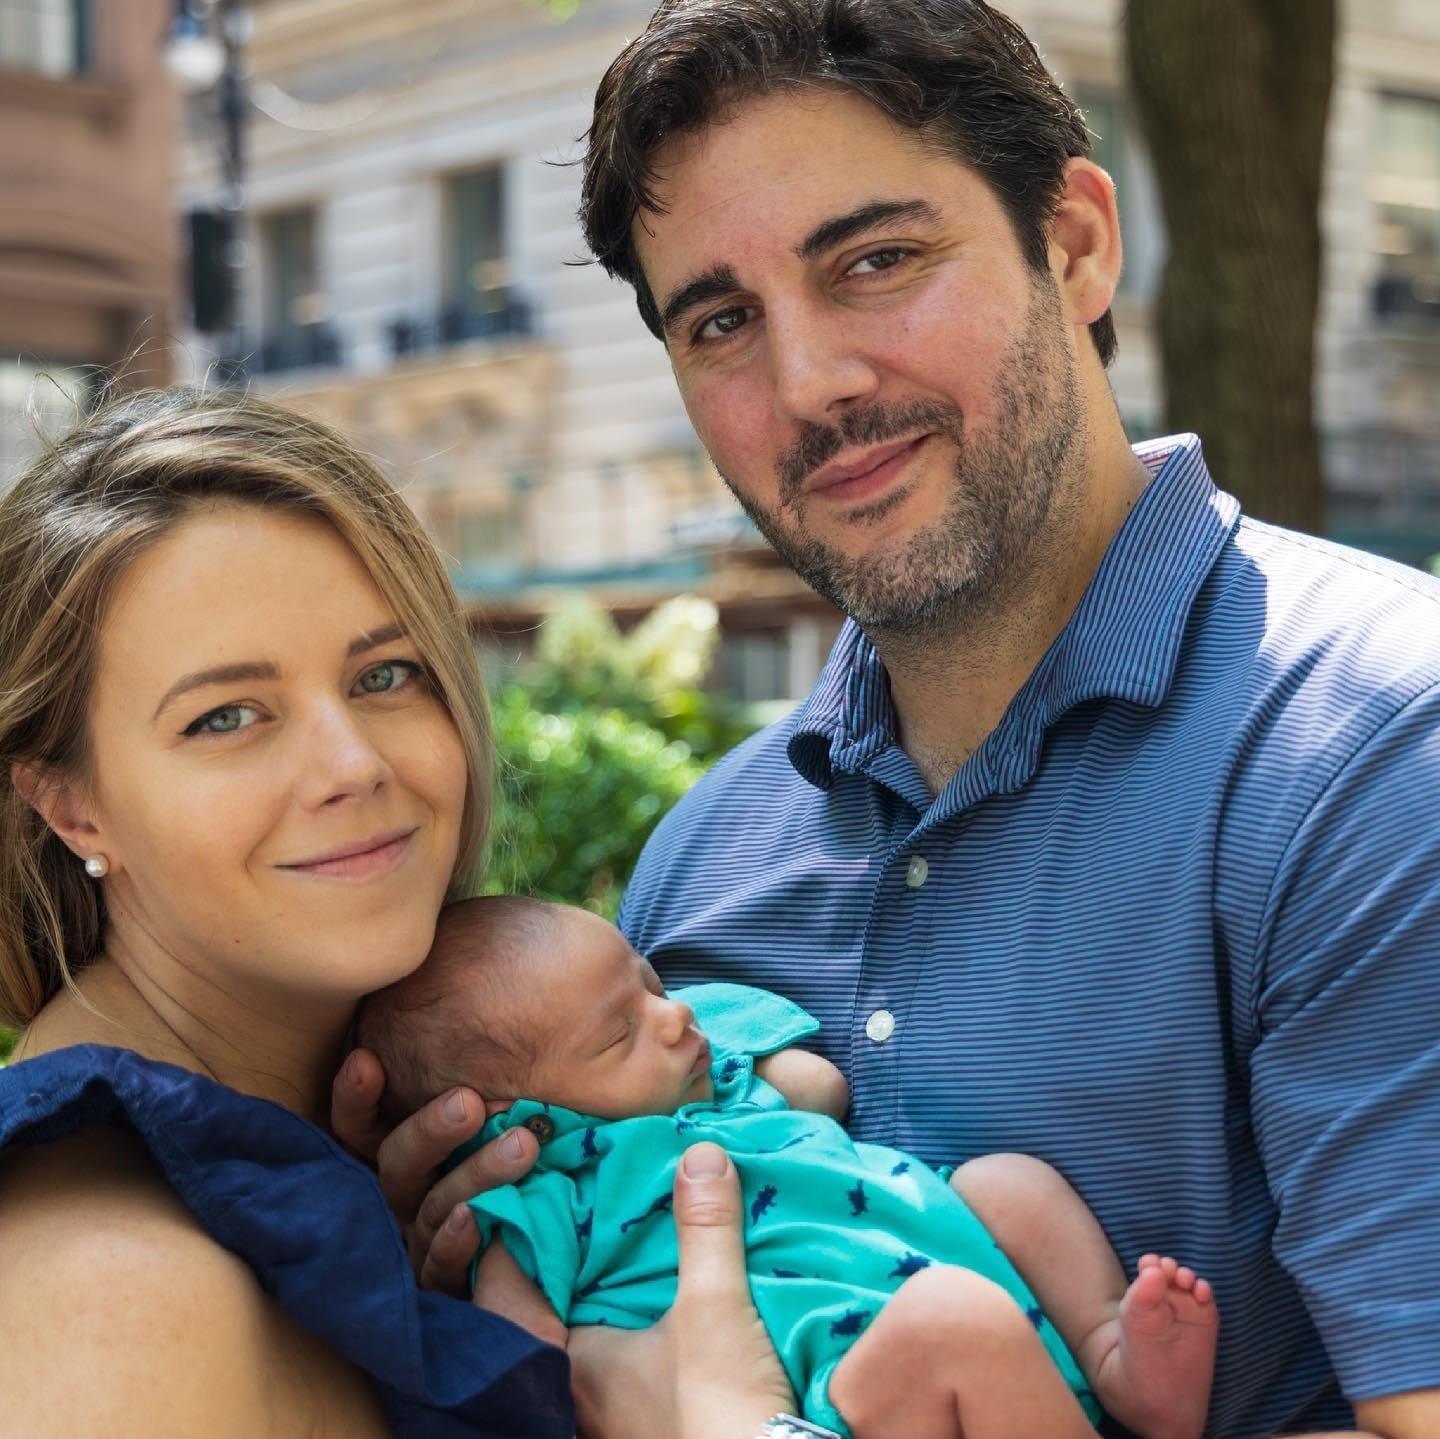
(497, 1106)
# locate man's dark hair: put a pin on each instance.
(962, 76)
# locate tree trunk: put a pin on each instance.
(1233, 96)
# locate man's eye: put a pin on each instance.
(879, 260)
(718, 326)
(391, 675)
(225, 720)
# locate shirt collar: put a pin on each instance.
(1122, 642)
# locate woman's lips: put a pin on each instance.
(368, 864)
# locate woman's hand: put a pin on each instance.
(708, 1369)
(439, 1230)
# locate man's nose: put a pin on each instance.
(819, 371)
(338, 758)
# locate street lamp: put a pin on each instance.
(205, 52)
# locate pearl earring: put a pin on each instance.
(97, 866)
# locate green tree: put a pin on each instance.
(1233, 97)
(602, 733)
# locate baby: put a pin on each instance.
(859, 1256)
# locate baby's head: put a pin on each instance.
(520, 999)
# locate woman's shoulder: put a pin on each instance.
(261, 1205)
(118, 1304)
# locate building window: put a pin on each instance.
(37, 402)
(1114, 149)
(44, 35)
(476, 277)
(754, 665)
(295, 327)
(1406, 188)
(491, 541)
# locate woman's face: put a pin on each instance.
(277, 788)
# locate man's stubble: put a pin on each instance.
(1011, 509)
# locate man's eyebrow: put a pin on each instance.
(265, 670)
(714, 284)
(829, 233)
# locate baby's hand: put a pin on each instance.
(439, 1230)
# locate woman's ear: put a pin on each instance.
(62, 803)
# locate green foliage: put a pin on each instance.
(578, 796)
(603, 734)
(654, 674)
(7, 1043)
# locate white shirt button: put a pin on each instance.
(917, 872)
(880, 1026)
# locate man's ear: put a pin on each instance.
(62, 803)
(1085, 249)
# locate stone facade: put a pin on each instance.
(89, 248)
(553, 444)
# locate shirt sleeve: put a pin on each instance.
(1345, 1074)
(538, 1222)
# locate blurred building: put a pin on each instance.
(88, 249)
(413, 273)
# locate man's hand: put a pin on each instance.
(438, 1228)
(708, 1369)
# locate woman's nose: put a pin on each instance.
(339, 760)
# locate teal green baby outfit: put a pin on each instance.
(833, 1228)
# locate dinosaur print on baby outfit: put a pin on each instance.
(833, 1228)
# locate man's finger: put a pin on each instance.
(410, 1155)
(355, 1105)
(708, 1214)
(502, 1161)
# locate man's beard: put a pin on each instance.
(1007, 490)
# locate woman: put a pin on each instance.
(245, 758)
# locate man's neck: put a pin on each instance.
(952, 682)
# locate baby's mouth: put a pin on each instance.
(702, 1060)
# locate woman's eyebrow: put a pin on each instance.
(220, 675)
(264, 670)
(372, 638)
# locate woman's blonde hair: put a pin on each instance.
(70, 528)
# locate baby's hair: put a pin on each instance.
(461, 1018)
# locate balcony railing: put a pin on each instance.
(510, 317)
(300, 348)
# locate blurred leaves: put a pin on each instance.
(599, 737)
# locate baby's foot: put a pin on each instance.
(1155, 1376)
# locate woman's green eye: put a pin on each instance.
(391, 675)
(226, 720)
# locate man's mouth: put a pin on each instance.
(859, 475)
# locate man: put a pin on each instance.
(1108, 833)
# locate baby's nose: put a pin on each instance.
(680, 1019)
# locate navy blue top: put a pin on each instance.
(314, 1226)
(1172, 927)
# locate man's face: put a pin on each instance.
(887, 387)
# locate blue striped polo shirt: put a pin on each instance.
(1173, 927)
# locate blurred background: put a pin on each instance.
(366, 209)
